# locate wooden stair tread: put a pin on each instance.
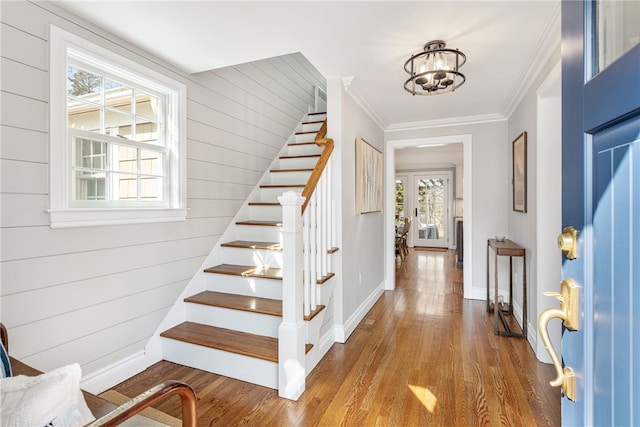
(283, 186)
(306, 132)
(302, 156)
(294, 144)
(264, 203)
(325, 278)
(271, 307)
(259, 222)
(246, 271)
(290, 170)
(250, 244)
(259, 346)
(313, 122)
(314, 313)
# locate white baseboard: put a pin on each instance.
(107, 377)
(342, 332)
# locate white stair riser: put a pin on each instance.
(306, 137)
(288, 178)
(250, 286)
(250, 369)
(257, 257)
(243, 321)
(269, 194)
(258, 233)
(303, 149)
(298, 163)
(268, 213)
(311, 127)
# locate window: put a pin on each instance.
(117, 138)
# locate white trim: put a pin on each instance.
(354, 92)
(390, 173)
(105, 378)
(447, 122)
(62, 213)
(343, 332)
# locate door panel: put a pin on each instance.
(616, 249)
(601, 198)
(432, 210)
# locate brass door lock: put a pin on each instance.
(568, 242)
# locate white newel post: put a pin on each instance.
(291, 334)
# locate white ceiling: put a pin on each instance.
(504, 41)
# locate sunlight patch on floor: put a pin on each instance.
(424, 395)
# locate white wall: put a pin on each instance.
(361, 241)
(96, 295)
(539, 114)
(489, 188)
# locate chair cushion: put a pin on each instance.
(52, 399)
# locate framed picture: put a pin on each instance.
(520, 173)
(368, 178)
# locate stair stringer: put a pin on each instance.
(321, 344)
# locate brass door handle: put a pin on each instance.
(568, 312)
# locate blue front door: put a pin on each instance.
(601, 198)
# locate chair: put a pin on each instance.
(401, 241)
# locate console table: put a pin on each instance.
(510, 249)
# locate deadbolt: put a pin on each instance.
(568, 242)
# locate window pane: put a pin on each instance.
(89, 185)
(117, 124)
(90, 154)
(117, 96)
(83, 116)
(151, 188)
(125, 159)
(151, 163)
(147, 105)
(124, 186)
(83, 83)
(146, 131)
(616, 31)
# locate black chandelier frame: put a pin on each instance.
(434, 82)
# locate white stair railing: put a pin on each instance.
(308, 234)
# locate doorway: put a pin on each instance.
(432, 213)
(391, 147)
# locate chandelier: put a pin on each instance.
(434, 71)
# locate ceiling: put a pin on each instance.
(363, 42)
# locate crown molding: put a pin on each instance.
(354, 92)
(451, 121)
(548, 44)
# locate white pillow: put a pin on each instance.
(49, 400)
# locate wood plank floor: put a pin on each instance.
(422, 356)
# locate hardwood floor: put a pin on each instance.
(422, 356)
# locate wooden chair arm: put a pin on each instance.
(148, 398)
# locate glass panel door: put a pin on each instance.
(431, 211)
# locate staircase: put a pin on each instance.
(232, 327)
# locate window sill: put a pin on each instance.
(94, 217)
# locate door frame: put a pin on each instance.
(389, 200)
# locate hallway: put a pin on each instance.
(421, 356)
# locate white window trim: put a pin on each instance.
(62, 215)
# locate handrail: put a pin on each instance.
(320, 140)
(148, 398)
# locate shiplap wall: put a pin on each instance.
(96, 295)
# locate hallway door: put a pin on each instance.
(601, 199)
(431, 213)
